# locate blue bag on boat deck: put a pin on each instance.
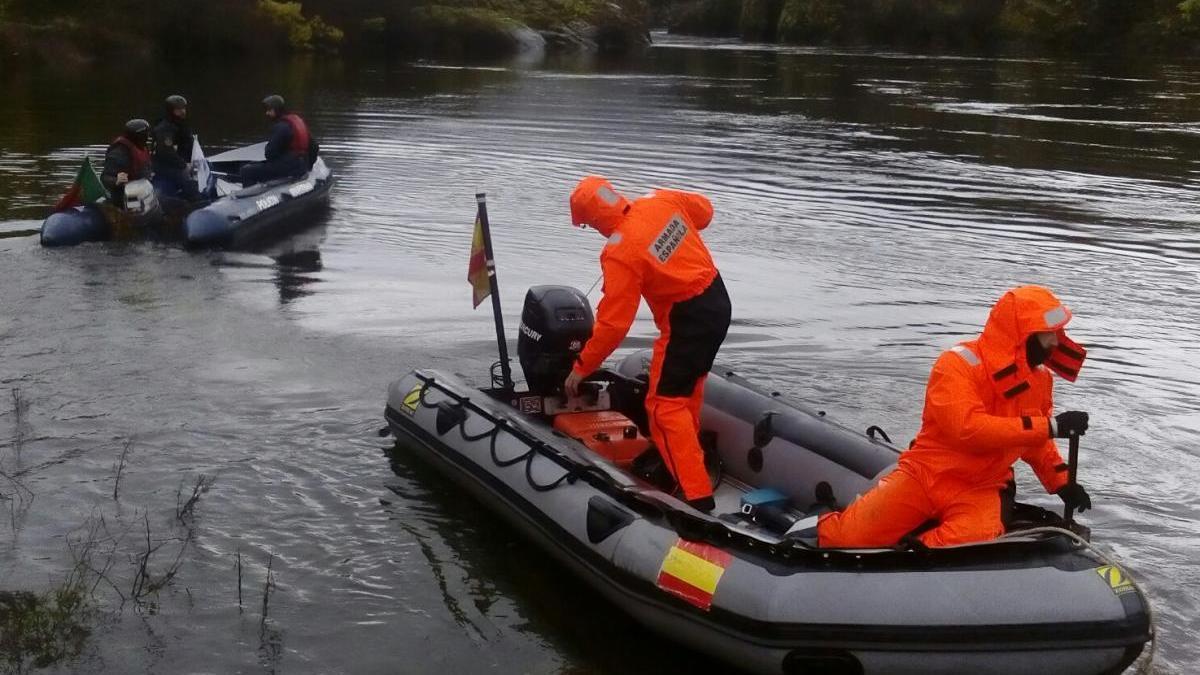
(754, 500)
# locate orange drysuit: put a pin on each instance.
(985, 408)
(654, 251)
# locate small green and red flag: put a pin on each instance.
(86, 189)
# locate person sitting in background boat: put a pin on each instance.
(290, 148)
(655, 251)
(172, 158)
(988, 403)
(126, 160)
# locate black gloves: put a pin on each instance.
(1070, 423)
(1074, 496)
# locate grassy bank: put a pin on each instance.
(83, 31)
(1049, 26)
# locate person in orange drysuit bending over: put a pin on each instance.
(988, 403)
(655, 251)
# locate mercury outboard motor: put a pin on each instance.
(555, 324)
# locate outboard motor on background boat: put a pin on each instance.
(140, 198)
(555, 323)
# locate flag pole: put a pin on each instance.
(505, 370)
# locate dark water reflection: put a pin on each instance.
(870, 207)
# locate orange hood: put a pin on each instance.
(1019, 313)
(596, 203)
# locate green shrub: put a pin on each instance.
(1184, 21)
(811, 20)
(302, 33)
(759, 19)
(707, 17)
(376, 25)
(460, 31)
(39, 631)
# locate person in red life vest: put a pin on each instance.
(126, 160)
(290, 148)
(988, 403)
(654, 251)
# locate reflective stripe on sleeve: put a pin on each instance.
(966, 354)
(607, 195)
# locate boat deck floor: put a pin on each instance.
(728, 496)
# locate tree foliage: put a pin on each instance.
(192, 28)
(1054, 25)
(303, 33)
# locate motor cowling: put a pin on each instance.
(140, 197)
(556, 322)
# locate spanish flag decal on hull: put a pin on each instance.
(692, 571)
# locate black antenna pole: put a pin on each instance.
(1072, 473)
(505, 370)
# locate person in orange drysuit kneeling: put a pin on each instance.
(654, 251)
(988, 403)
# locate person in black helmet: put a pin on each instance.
(172, 156)
(126, 159)
(289, 147)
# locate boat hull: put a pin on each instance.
(103, 222)
(74, 226)
(260, 212)
(996, 608)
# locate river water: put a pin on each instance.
(870, 208)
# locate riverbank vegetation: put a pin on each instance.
(78, 32)
(118, 562)
(81, 31)
(37, 631)
(1042, 26)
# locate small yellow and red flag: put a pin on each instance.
(477, 271)
(692, 571)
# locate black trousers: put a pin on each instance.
(283, 167)
(698, 327)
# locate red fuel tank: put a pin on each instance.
(608, 433)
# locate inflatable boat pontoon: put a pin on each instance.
(240, 216)
(579, 478)
(146, 215)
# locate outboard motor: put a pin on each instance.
(140, 197)
(555, 324)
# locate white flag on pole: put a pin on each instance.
(200, 167)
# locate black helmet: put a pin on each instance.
(274, 102)
(175, 101)
(137, 127)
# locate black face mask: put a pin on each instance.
(1035, 353)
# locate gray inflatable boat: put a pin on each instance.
(242, 216)
(576, 477)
